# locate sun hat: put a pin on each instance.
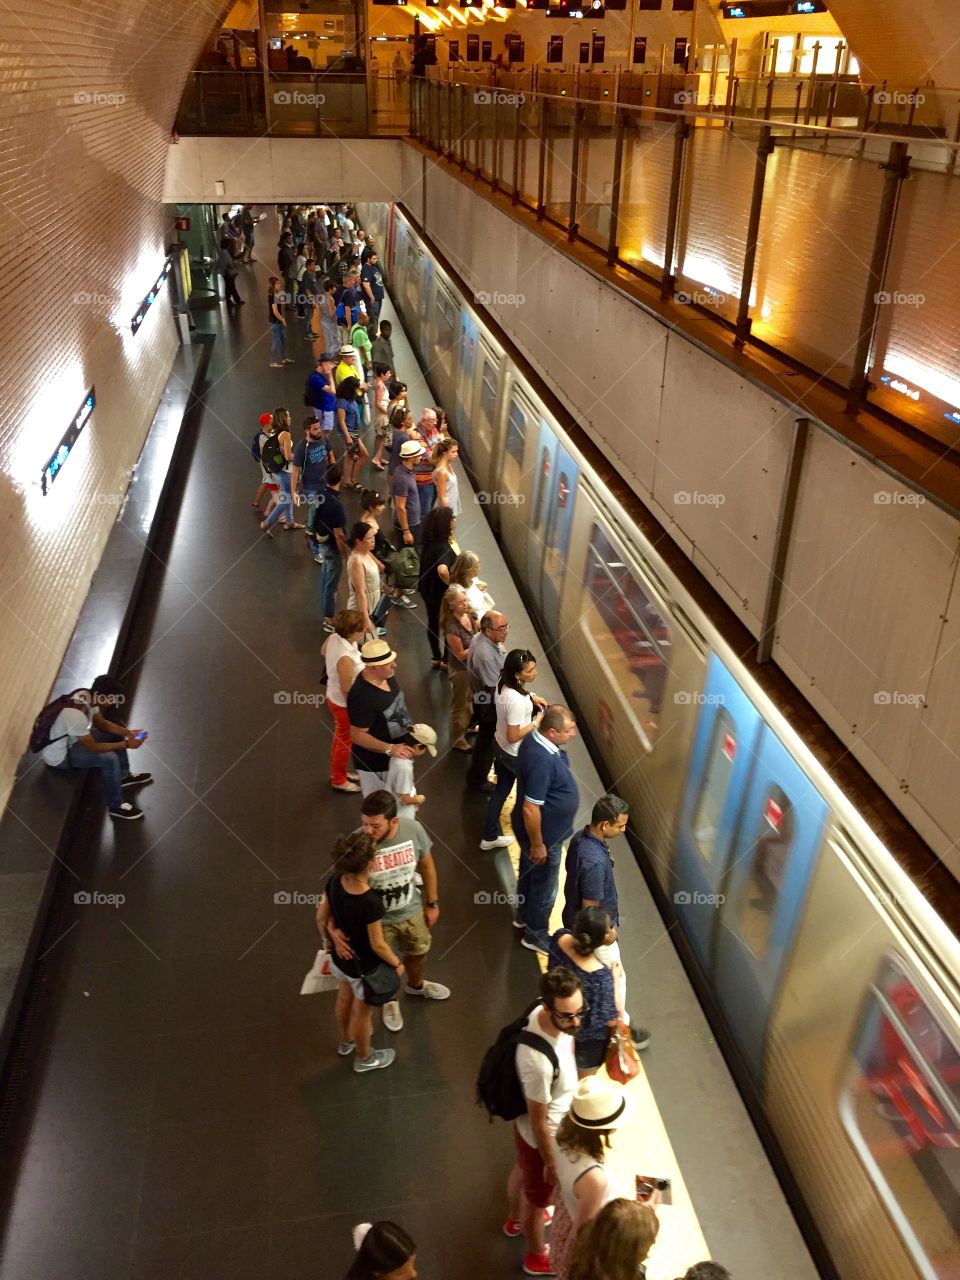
(423, 733)
(599, 1104)
(411, 449)
(347, 350)
(265, 419)
(376, 653)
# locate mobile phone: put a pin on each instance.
(141, 736)
(646, 1187)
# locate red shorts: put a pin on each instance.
(271, 488)
(536, 1189)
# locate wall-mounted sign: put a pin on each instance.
(555, 49)
(639, 50)
(486, 50)
(151, 297)
(182, 224)
(585, 51)
(515, 50)
(473, 48)
(680, 47)
(80, 419)
(599, 44)
(453, 51)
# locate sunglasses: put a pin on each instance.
(567, 1018)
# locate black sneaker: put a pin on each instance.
(640, 1037)
(136, 779)
(126, 810)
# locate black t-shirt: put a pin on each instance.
(431, 584)
(352, 912)
(271, 298)
(384, 715)
(329, 514)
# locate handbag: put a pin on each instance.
(380, 984)
(622, 1060)
(319, 978)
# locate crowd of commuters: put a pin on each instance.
(381, 900)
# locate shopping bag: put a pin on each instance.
(319, 978)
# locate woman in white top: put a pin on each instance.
(518, 714)
(363, 575)
(584, 1181)
(444, 476)
(463, 573)
(341, 653)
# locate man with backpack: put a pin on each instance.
(75, 731)
(326, 524)
(530, 1076)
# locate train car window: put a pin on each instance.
(413, 275)
(488, 390)
(769, 854)
(542, 484)
(715, 784)
(446, 326)
(516, 432)
(901, 1109)
(628, 632)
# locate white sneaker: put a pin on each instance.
(500, 842)
(392, 1017)
(429, 990)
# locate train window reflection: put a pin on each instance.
(542, 483)
(901, 1107)
(715, 785)
(516, 432)
(446, 328)
(769, 855)
(488, 390)
(628, 632)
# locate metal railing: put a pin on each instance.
(343, 104)
(793, 236)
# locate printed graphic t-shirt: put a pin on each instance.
(392, 872)
(384, 715)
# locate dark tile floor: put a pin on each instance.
(191, 1118)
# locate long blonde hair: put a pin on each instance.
(614, 1243)
(464, 569)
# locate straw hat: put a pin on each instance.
(376, 653)
(599, 1104)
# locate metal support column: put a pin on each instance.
(515, 197)
(668, 280)
(896, 171)
(542, 160)
(495, 146)
(781, 542)
(572, 224)
(765, 147)
(613, 249)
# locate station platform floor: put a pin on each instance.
(189, 1116)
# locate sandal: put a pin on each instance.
(294, 526)
(350, 787)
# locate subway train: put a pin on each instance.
(832, 978)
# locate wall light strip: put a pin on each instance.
(52, 468)
(151, 297)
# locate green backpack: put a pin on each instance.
(403, 568)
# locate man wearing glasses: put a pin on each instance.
(484, 664)
(548, 1093)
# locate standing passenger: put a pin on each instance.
(518, 712)
(341, 654)
(484, 664)
(459, 626)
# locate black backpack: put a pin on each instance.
(40, 733)
(255, 445)
(271, 455)
(498, 1085)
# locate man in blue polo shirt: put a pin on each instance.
(547, 802)
(589, 883)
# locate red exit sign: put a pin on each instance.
(182, 224)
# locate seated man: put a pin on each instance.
(84, 734)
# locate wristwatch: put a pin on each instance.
(434, 903)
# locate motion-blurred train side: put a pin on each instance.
(837, 980)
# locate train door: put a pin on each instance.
(427, 308)
(485, 419)
(466, 379)
(511, 497)
(720, 767)
(779, 833)
(559, 497)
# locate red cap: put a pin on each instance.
(266, 419)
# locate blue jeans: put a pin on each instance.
(278, 341)
(427, 493)
(285, 504)
(330, 561)
(113, 765)
(537, 886)
(506, 777)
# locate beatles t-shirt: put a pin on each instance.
(392, 872)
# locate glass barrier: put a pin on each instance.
(222, 102)
(804, 239)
